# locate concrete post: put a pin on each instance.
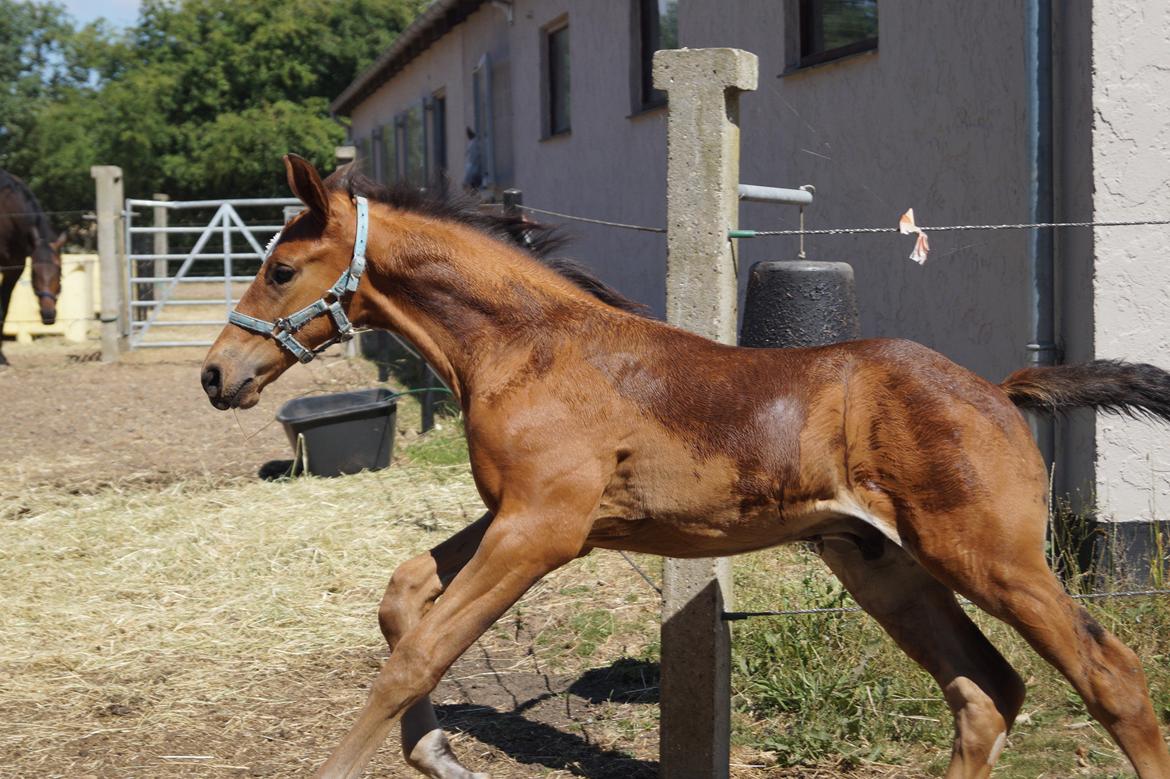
(110, 199)
(702, 189)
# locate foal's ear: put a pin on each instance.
(306, 184)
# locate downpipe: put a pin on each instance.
(1041, 346)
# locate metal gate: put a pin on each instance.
(182, 297)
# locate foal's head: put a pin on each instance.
(303, 262)
(309, 287)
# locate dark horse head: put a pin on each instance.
(25, 232)
(46, 275)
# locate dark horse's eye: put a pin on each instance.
(282, 274)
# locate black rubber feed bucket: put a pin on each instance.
(342, 433)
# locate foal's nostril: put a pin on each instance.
(211, 380)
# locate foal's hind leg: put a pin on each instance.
(411, 591)
(921, 615)
(999, 564)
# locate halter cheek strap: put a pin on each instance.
(282, 329)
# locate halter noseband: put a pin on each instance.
(44, 293)
(330, 303)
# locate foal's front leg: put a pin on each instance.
(8, 279)
(518, 548)
(411, 592)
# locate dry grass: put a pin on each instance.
(144, 604)
(219, 630)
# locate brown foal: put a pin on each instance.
(592, 427)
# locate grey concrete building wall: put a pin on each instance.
(612, 164)
(1131, 286)
(932, 120)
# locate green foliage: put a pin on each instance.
(199, 99)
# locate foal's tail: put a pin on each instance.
(1130, 388)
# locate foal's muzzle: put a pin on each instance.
(243, 394)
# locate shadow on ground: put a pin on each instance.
(536, 743)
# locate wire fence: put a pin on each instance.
(735, 616)
(732, 616)
(750, 233)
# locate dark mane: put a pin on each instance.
(537, 239)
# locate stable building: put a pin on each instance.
(881, 107)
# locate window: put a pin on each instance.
(435, 116)
(480, 169)
(657, 29)
(414, 145)
(363, 155)
(388, 172)
(557, 80)
(836, 28)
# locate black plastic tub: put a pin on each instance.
(342, 433)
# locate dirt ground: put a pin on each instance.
(71, 422)
(139, 439)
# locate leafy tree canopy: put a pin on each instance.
(199, 99)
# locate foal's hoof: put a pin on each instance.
(432, 756)
(3, 361)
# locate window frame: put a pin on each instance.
(435, 130)
(557, 26)
(388, 169)
(364, 156)
(403, 137)
(803, 40)
(642, 63)
(483, 116)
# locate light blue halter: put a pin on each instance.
(330, 303)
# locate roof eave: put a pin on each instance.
(439, 17)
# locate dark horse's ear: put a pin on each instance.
(306, 184)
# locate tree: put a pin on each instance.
(199, 99)
(34, 64)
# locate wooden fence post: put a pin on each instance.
(702, 190)
(110, 201)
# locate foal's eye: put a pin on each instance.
(282, 274)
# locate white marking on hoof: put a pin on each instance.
(433, 756)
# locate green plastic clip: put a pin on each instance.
(741, 233)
